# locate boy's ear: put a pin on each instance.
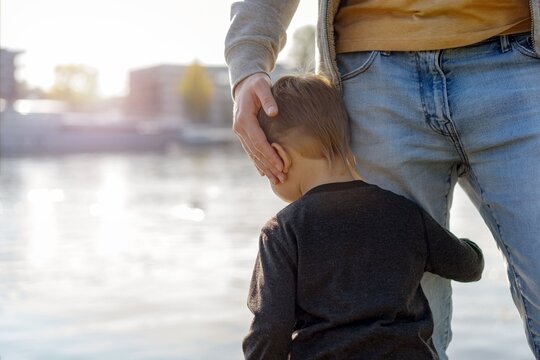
(284, 155)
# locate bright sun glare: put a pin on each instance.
(116, 36)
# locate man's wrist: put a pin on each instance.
(235, 88)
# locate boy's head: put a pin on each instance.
(311, 120)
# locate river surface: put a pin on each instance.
(149, 257)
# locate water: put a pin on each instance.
(150, 256)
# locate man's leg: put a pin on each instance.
(495, 105)
(396, 109)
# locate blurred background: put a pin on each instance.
(129, 214)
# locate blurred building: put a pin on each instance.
(154, 93)
(8, 83)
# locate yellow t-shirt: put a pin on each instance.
(407, 25)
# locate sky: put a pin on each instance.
(114, 36)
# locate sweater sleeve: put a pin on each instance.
(272, 298)
(256, 35)
(450, 257)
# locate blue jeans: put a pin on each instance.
(422, 121)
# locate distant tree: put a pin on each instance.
(76, 85)
(196, 89)
(302, 53)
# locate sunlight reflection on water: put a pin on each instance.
(150, 256)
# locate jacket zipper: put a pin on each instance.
(532, 23)
(332, 65)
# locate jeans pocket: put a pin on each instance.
(354, 63)
(523, 44)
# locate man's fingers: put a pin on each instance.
(255, 161)
(259, 170)
(262, 167)
(263, 92)
(264, 171)
(261, 149)
(251, 94)
(250, 150)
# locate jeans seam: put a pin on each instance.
(451, 129)
(420, 87)
(447, 322)
(361, 68)
(517, 278)
(515, 45)
(458, 144)
(427, 116)
(438, 66)
(527, 318)
(447, 193)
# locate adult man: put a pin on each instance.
(437, 92)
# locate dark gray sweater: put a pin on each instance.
(338, 277)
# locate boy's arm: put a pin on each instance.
(272, 299)
(450, 257)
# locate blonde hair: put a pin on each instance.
(311, 118)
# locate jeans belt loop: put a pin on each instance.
(505, 43)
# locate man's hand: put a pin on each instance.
(250, 94)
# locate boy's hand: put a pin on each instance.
(250, 94)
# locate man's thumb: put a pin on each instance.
(268, 102)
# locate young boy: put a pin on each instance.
(338, 270)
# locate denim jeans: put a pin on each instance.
(422, 121)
